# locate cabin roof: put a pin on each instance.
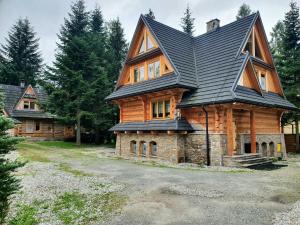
(13, 94)
(159, 125)
(209, 65)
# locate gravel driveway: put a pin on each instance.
(158, 194)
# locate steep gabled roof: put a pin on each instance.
(13, 94)
(209, 65)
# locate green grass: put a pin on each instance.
(73, 207)
(67, 168)
(26, 215)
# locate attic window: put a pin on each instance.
(249, 44)
(26, 105)
(149, 43)
(263, 81)
(257, 50)
(142, 47)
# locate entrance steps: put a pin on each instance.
(247, 160)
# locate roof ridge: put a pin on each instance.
(224, 26)
(148, 18)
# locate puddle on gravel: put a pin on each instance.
(191, 190)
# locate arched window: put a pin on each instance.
(153, 148)
(143, 148)
(272, 148)
(264, 147)
(133, 149)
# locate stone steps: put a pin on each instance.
(250, 160)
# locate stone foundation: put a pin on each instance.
(191, 147)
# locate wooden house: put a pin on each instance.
(23, 105)
(173, 86)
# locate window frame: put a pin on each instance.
(152, 143)
(143, 145)
(37, 124)
(155, 103)
(133, 148)
(263, 76)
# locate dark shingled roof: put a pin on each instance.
(208, 65)
(12, 95)
(159, 125)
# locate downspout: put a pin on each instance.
(207, 138)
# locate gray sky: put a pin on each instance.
(47, 15)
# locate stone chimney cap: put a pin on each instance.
(212, 25)
(22, 83)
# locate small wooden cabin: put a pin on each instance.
(23, 104)
(172, 85)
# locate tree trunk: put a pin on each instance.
(78, 131)
(297, 134)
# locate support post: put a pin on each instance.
(229, 125)
(252, 131)
(207, 138)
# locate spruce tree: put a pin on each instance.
(244, 11)
(9, 184)
(70, 75)
(150, 14)
(117, 47)
(285, 45)
(187, 21)
(21, 59)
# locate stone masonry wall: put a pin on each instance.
(170, 147)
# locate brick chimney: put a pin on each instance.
(212, 25)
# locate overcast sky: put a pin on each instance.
(47, 15)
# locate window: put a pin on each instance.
(263, 81)
(161, 109)
(143, 148)
(26, 105)
(257, 50)
(32, 105)
(149, 43)
(142, 47)
(150, 71)
(153, 70)
(138, 74)
(153, 148)
(157, 69)
(37, 126)
(133, 147)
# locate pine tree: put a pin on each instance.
(244, 11)
(70, 77)
(150, 14)
(187, 22)
(8, 183)
(20, 55)
(96, 22)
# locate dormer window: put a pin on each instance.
(153, 70)
(263, 81)
(138, 74)
(26, 105)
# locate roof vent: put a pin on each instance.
(212, 25)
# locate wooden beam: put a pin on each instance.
(139, 132)
(252, 131)
(229, 125)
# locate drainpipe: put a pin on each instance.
(207, 138)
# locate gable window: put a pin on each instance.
(138, 74)
(26, 105)
(143, 148)
(263, 81)
(149, 43)
(142, 47)
(153, 70)
(161, 109)
(133, 148)
(153, 148)
(32, 105)
(257, 50)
